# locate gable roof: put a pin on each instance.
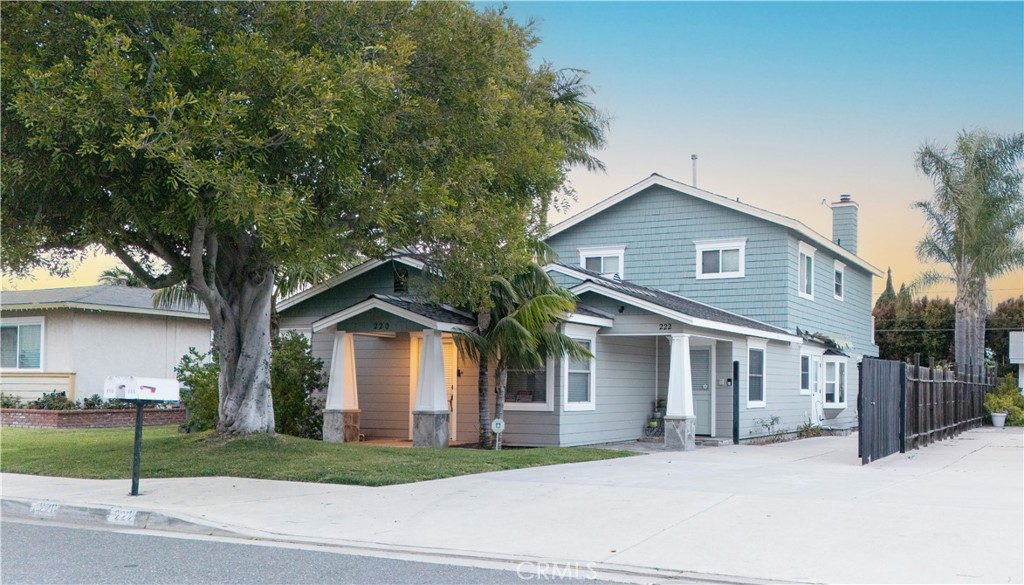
(657, 180)
(349, 274)
(432, 315)
(117, 299)
(672, 305)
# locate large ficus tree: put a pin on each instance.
(974, 225)
(216, 143)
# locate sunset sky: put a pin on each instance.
(786, 104)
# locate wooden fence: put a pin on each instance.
(905, 406)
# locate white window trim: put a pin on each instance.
(582, 333)
(549, 404)
(761, 345)
(811, 355)
(702, 246)
(846, 381)
(805, 250)
(841, 269)
(41, 321)
(619, 251)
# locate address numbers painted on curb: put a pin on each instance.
(122, 516)
(45, 509)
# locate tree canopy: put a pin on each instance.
(215, 143)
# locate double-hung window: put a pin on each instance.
(21, 344)
(835, 383)
(756, 354)
(720, 258)
(578, 373)
(839, 269)
(607, 261)
(805, 281)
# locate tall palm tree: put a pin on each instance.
(118, 276)
(518, 332)
(974, 224)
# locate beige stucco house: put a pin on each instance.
(71, 339)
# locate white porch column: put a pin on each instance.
(680, 422)
(430, 418)
(341, 409)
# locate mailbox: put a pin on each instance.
(135, 388)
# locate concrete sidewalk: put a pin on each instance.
(798, 511)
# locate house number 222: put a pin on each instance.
(664, 326)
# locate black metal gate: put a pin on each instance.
(880, 408)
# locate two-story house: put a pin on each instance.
(727, 314)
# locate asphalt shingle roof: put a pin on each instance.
(433, 311)
(675, 302)
(98, 295)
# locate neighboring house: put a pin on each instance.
(684, 296)
(71, 339)
(1017, 355)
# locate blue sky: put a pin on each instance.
(787, 104)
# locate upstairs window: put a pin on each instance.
(840, 279)
(720, 258)
(21, 344)
(607, 262)
(805, 281)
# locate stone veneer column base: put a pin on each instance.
(341, 426)
(680, 434)
(430, 429)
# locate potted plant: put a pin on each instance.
(999, 418)
(1005, 404)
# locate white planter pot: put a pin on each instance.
(998, 419)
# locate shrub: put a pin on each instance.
(296, 379)
(808, 429)
(92, 402)
(198, 376)
(1007, 398)
(52, 401)
(9, 401)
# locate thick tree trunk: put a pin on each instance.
(969, 332)
(485, 406)
(242, 330)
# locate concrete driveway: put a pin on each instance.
(799, 511)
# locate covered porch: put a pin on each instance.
(395, 374)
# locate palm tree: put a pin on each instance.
(518, 331)
(974, 223)
(118, 276)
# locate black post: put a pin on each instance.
(137, 457)
(736, 403)
(903, 407)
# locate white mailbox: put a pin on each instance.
(135, 388)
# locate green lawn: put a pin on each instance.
(107, 454)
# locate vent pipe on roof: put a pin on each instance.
(693, 157)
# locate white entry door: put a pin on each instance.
(700, 377)
(451, 378)
(817, 390)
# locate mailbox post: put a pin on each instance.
(140, 390)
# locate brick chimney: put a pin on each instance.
(844, 223)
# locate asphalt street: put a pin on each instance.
(45, 553)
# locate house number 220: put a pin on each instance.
(664, 326)
(381, 325)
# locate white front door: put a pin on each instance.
(451, 370)
(700, 377)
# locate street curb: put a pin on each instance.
(106, 516)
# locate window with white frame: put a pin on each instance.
(810, 373)
(607, 261)
(720, 258)
(839, 281)
(755, 376)
(529, 389)
(835, 383)
(806, 277)
(578, 374)
(21, 344)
